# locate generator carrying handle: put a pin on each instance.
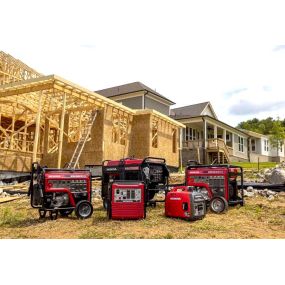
(158, 159)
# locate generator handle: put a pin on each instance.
(156, 158)
(104, 161)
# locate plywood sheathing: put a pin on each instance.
(116, 150)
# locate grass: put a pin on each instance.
(254, 165)
(259, 218)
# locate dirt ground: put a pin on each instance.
(259, 218)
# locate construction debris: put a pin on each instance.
(251, 192)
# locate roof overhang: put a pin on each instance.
(53, 85)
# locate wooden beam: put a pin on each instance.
(37, 131)
(61, 131)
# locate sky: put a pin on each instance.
(231, 53)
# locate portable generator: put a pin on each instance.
(61, 191)
(126, 200)
(152, 171)
(218, 184)
(186, 203)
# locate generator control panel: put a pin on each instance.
(127, 195)
(217, 183)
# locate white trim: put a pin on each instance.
(212, 109)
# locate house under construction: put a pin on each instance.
(43, 118)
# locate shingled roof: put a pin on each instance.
(190, 110)
(130, 88)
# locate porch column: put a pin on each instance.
(216, 134)
(205, 140)
(225, 136)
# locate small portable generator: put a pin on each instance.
(127, 200)
(61, 191)
(186, 203)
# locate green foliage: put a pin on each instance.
(8, 216)
(264, 126)
(277, 135)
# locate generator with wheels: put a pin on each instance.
(186, 203)
(126, 200)
(61, 191)
(218, 183)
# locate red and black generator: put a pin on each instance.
(152, 171)
(218, 184)
(186, 203)
(127, 200)
(61, 191)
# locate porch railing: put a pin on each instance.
(216, 144)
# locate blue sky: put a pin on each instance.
(231, 53)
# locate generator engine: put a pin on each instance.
(186, 203)
(126, 200)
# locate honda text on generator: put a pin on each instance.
(152, 171)
(218, 184)
(61, 191)
(186, 203)
(127, 200)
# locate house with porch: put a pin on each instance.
(207, 139)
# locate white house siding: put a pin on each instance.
(239, 155)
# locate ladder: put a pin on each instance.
(81, 143)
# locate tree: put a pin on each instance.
(277, 135)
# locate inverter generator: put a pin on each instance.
(186, 203)
(218, 184)
(61, 191)
(126, 200)
(152, 171)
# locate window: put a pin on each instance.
(240, 144)
(280, 146)
(154, 132)
(253, 145)
(266, 145)
(174, 140)
(188, 134)
(191, 134)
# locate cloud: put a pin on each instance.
(244, 107)
(279, 48)
(235, 91)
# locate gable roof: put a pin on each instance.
(191, 110)
(130, 88)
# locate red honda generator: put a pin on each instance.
(186, 203)
(152, 171)
(218, 184)
(127, 200)
(61, 191)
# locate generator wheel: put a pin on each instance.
(218, 205)
(53, 214)
(105, 203)
(65, 213)
(42, 213)
(83, 210)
